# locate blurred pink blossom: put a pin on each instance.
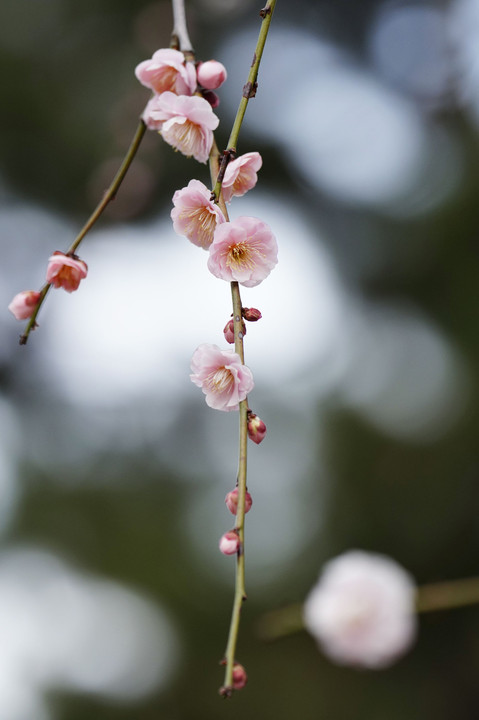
(240, 678)
(241, 175)
(167, 71)
(229, 543)
(231, 501)
(66, 271)
(24, 303)
(195, 215)
(225, 381)
(244, 250)
(211, 74)
(185, 123)
(362, 610)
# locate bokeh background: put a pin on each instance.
(114, 600)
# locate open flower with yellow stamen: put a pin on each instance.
(244, 250)
(195, 215)
(221, 375)
(186, 123)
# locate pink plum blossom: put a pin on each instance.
(362, 610)
(66, 271)
(229, 543)
(185, 123)
(225, 381)
(211, 74)
(24, 303)
(195, 215)
(231, 501)
(241, 175)
(167, 71)
(244, 250)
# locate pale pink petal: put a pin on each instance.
(241, 175)
(220, 374)
(65, 271)
(195, 215)
(24, 303)
(167, 71)
(185, 123)
(244, 250)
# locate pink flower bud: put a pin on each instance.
(231, 501)
(256, 428)
(229, 331)
(66, 271)
(251, 314)
(211, 74)
(240, 677)
(23, 304)
(229, 543)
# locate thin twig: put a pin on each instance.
(107, 198)
(249, 91)
(180, 30)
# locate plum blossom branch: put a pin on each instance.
(180, 35)
(109, 195)
(249, 91)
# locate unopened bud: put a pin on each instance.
(229, 543)
(231, 501)
(251, 314)
(24, 304)
(256, 428)
(211, 74)
(211, 97)
(229, 331)
(240, 677)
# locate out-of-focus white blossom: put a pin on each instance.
(362, 610)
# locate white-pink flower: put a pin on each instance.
(241, 175)
(244, 250)
(167, 71)
(185, 123)
(195, 215)
(221, 375)
(65, 271)
(24, 303)
(362, 610)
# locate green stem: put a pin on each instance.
(240, 590)
(107, 198)
(447, 595)
(249, 91)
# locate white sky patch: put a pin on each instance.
(344, 131)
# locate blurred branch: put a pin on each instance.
(180, 35)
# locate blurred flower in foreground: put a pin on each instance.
(362, 610)
(24, 303)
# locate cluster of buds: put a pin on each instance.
(181, 106)
(63, 271)
(250, 314)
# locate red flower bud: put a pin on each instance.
(240, 677)
(256, 428)
(251, 314)
(229, 331)
(231, 501)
